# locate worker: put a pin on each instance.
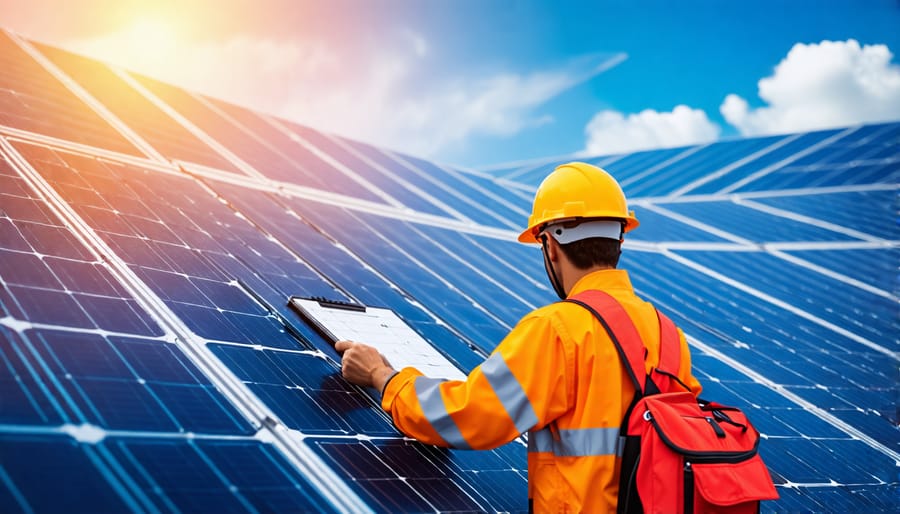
(556, 375)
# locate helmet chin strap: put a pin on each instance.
(551, 273)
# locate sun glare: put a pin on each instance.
(149, 40)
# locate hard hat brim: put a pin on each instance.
(527, 235)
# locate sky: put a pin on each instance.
(479, 83)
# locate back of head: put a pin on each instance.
(583, 208)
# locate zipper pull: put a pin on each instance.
(715, 425)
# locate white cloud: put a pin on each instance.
(393, 110)
(381, 94)
(611, 132)
(830, 84)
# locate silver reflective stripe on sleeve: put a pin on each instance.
(428, 392)
(581, 442)
(540, 441)
(509, 392)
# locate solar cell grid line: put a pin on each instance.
(236, 393)
(522, 192)
(514, 172)
(751, 224)
(814, 220)
(426, 285)
(306, 169)
(531, 172)
(118, 382)
(407, 192)
(305, 137)
(748, 159)
(786, 147)
(306, 391)
(692, 165)
(355, 275)
(747, 181)
(28, 399)
(215, 475)
(496, 258)
(504, 300)
(102, 381)
(276, 162)
(497, 208)
(635, 167)
(694, 222)
(159, 130)
(866, 143)
(454, 200)
(882, 143)
(42, 263)
(513, 169)
(829, 175)
(144, 149)
(660, 226)
(52, 473)
(871, 316)
(521, 188)
(69, 291)
(714, 315)
(489, 187)
(873, 266)
(36, 101)
(195, 281)
(831, 327)
(494, 190)
(179, 114)
(384, 184)
(406, 476)
(458, 196)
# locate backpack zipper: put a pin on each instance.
(688, 488)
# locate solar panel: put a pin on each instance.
(35, 101)
(150, 238)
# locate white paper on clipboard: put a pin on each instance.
(380, 328)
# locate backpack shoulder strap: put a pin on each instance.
(621, 330)
(669, 354)
(668, 340)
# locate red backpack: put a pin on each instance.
(681, 454)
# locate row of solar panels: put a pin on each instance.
(258, 146)
(207, 258)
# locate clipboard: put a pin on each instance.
(377, 327)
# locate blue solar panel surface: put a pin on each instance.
(148, 356)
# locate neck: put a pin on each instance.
(571, 275)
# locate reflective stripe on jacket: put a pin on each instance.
(556, 375)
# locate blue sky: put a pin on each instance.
(482, 82)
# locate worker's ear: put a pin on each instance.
(553, 250)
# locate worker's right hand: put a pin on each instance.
(363, 365)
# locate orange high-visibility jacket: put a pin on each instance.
(556, 376)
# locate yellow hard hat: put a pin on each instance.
(577, 190)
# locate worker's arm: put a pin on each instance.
(522, 385)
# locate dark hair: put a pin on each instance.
(594, 251)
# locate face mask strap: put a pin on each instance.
(551, 273)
